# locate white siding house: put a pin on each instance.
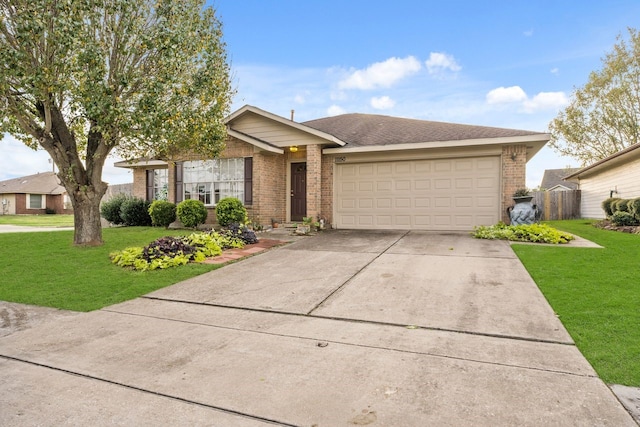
(617, 175)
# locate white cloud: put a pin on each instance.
(299, 99)
(439, 62)
(546, 101)
(555, 70)
(382, 102)
(335, 110)
(504, 95)
(528, 33)
(381, 74)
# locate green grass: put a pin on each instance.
(596, 293)
(38, 220)
(45, 269)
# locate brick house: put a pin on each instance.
(34, 194)
(353, 170)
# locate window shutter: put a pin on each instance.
(248, 180)
(179, 194)
(149, 185)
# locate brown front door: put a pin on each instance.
(298, 191)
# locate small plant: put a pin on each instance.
(229, 210)
(521, 192)
(191, 213)
(241, 232)
(537, 233)
(162, 213)
(135, 212)
(621, 219)
(608, 205)
(110, 210)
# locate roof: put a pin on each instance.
(371, 130)
(555, 177)
(621, 157)
(40, 183)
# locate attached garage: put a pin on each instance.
(428, 194)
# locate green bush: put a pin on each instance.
(621, 206)
(191, 213)
(538, 233)
(110, 210)
(135, 212)
(623, 218)
(608, 205)
(162, 213)
(634, 208)
(229, 210)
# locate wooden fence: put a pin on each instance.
(557, 204)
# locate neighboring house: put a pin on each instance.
(34, 194)
(617, 175)
(553, 180)
(354, 171)
(117, 189)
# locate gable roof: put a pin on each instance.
(372, 132)
(40, 183)
(621, 157)
(553, 178)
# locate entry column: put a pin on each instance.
(314, 180)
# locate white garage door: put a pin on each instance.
(442, 194)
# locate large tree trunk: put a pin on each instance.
(86, 215)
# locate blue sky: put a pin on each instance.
(510, 64)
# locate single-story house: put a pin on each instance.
(34, 194)
(553, 180)
(615, 176)
(355, 171)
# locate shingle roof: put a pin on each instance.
(553, 177)
(40, 183)
(373, 129)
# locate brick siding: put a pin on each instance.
(513, 175)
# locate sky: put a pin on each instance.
(511, 64)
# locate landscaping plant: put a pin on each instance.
(191, 213)
(162, 213)
(608, 205)
(110, 210)
(536, 233)
(240, 231)
(230, 210)
(135, 212)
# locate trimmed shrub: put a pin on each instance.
(162, 213)
(634, 207)
(191, 213)
(621, 205)
(135, 212)
(110, 210)
(608, 205)
(230, 210)
(623, 218)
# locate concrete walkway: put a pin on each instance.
(345, 328)
(7, 228)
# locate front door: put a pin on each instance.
(298, 191)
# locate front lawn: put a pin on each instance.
(38, 220)
(596, 293)
(44, 268)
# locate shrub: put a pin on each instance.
(191, 213)
(608, 205)
(229, 210)
(621, 206)
(135, 212)
(110, 210)
(162, 213)
(623, 218)
(538, 233)
(634, 208)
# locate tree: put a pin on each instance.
(604, 115)
(85, 78)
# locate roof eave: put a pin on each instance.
(537, 140)
(614, 159)
(255, 142)
(130, 164)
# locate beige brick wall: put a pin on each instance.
(326, 205)
(514, 160)
(314, 180)
(140, 183)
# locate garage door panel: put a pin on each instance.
(443, 194)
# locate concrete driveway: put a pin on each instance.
(346, 328)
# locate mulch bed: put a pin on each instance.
(608, 225)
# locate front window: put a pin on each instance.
(160, 184)
(212, 180)
(35, 201)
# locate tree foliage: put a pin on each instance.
(604, 115)
(85, 78)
